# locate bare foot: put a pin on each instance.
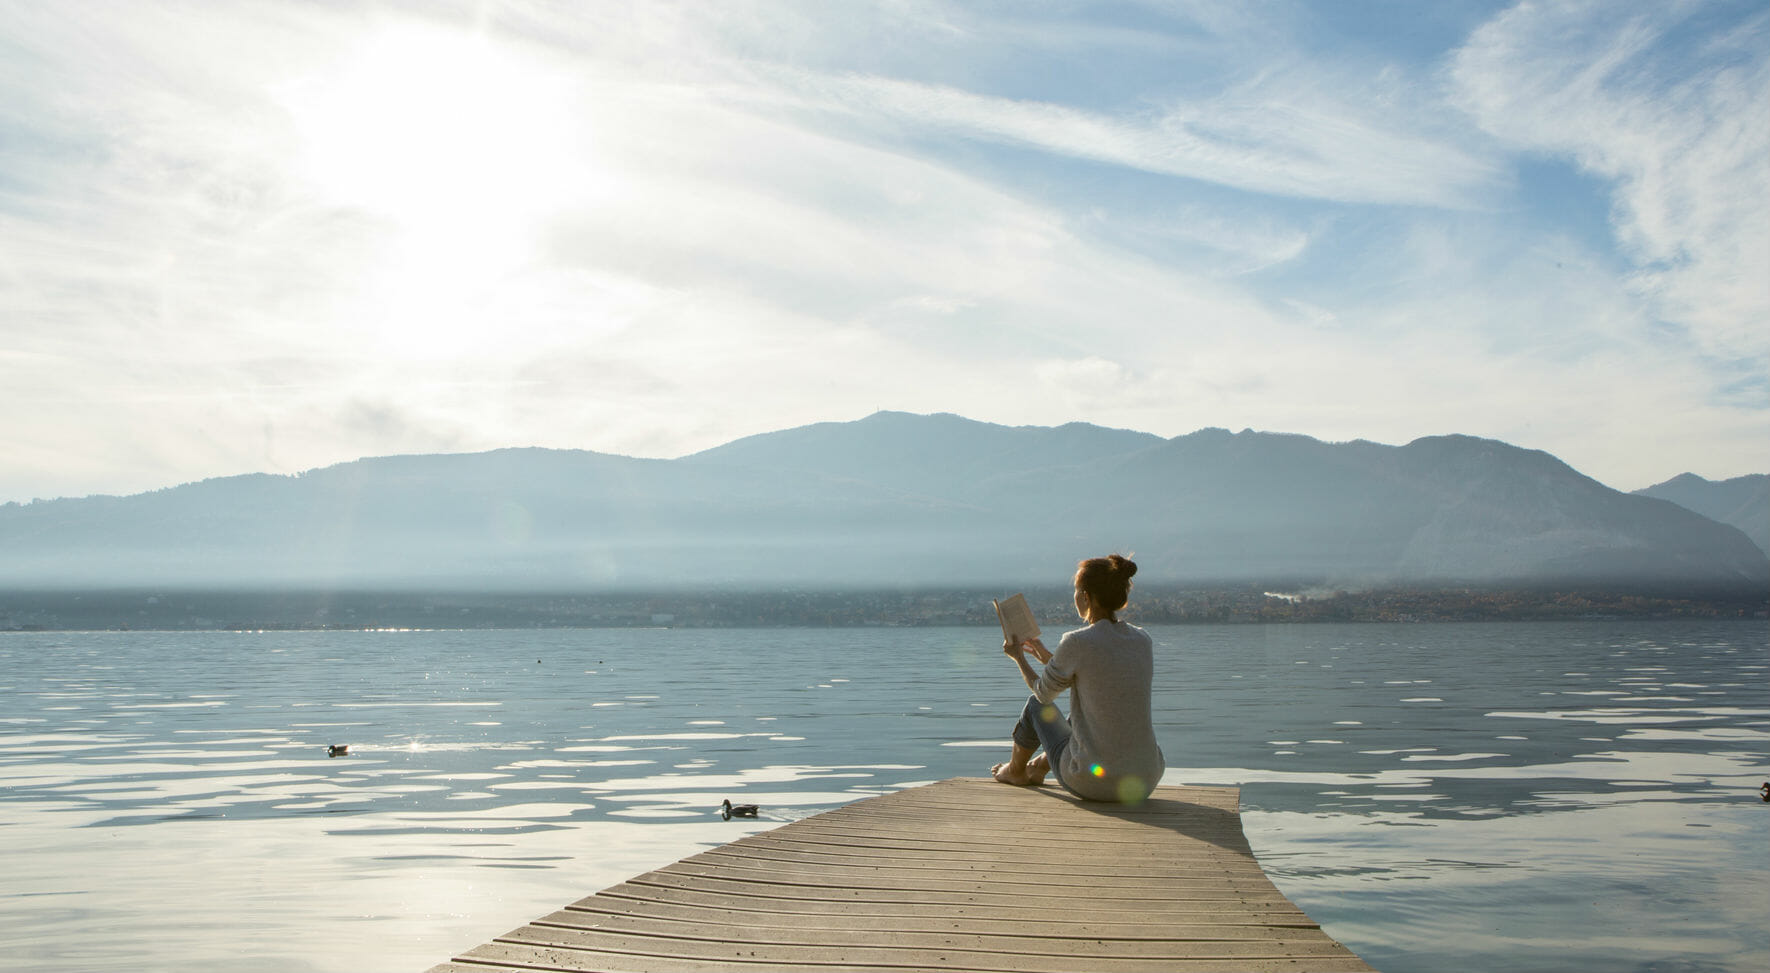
(1037, 768)
(1005, 773)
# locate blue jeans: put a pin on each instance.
(1042, 724)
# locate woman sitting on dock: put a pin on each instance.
(1106, 750)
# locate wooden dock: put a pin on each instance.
(965, 874)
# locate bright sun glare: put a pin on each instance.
(461, 147)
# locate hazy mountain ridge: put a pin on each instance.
(1743, 501)
(893, 499)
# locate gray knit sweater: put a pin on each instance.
(1112, 755)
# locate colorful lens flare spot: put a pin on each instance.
(1097, 770)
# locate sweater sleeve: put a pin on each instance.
(1059, 674)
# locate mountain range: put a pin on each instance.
(1743, 501)
(906, 501)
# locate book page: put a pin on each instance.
(1016, 617)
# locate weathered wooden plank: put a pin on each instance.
(823, 960)
(1199, 927)
(960, 875)
(1117, 898)
(1155, 814)
(643, 898)
(1054, 850)
(1023, 862)
(715, 956)
(922, 876)
(960, 880)
(1048, 827)
(1054, 853)
(1026, 841)
(761, 849)
(1037, 935)
(908, 949)
(1042, 801)
(850, 842)
(959, 797)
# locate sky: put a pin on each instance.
(256, 236)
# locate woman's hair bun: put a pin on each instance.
(1107, 580)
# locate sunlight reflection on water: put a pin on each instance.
(1550, 796)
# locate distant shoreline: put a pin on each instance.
(172, 609)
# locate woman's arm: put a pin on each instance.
(1018, 650)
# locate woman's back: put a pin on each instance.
(1108, 668)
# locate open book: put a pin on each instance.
(1016, 617)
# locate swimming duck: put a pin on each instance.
(338, 750)
(730, 810)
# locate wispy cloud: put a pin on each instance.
(1682, 128)
(1276, 135)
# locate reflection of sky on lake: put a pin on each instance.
(1531, 796)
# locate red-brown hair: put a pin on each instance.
(1106, 580)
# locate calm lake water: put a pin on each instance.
(1566, 796)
